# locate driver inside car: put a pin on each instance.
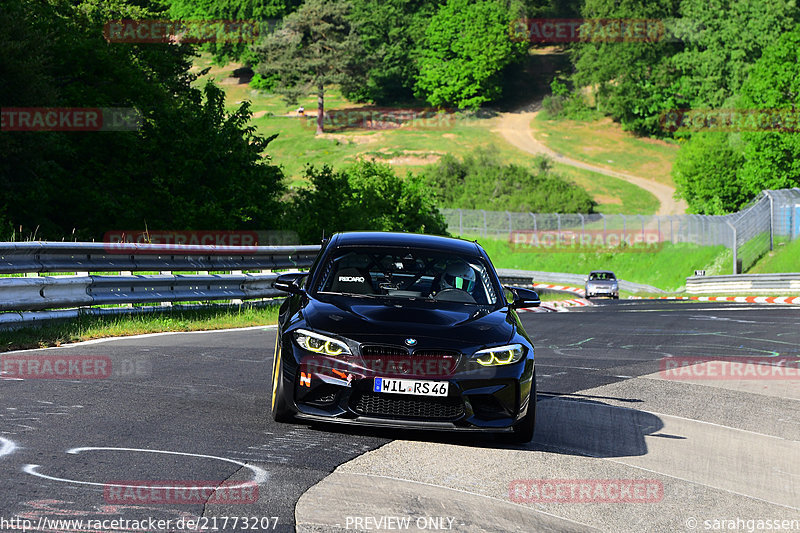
(458, 276)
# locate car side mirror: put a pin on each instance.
(523, 298)
(289, 282)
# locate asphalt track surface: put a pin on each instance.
(193, 407)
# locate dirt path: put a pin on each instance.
(515, 128)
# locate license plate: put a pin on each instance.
(411, 386)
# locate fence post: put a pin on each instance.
(671, 233)
(583, 226)
(642, 219)
(735, 258)
(461, 222)
(534, 221)
(510, 231)
(771, 219)
(558, 218)
(485, 229)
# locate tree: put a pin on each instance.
(705, 174)
(315, 47)
(263, 14)
(190, 165)
(722, 42)
(390, 31)
(364, 196)
(772, 158)
(466, 47)
(633, 78)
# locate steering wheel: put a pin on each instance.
(454, 295)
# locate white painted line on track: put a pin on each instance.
(260, 475)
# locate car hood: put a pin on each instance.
(391, 321)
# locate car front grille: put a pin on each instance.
(397, 406)
(374, 350)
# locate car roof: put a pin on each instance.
(406, 240)
(601, 272)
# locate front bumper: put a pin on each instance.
(341, 391)
(601, 291)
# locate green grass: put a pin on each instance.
(408, 148)
(613, 195)
(784, 258)
(604, 143)
(95, 327)
(666, 269)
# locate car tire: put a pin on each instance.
(279, 407)
(523, 430)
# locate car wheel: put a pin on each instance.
(523, 430)
(280, 409)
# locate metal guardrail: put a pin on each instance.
(27, 300)
(52, 292)
(743, 283)
(25, 257)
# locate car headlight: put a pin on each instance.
(500, 355)
(314, 342)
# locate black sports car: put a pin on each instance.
(404, 330)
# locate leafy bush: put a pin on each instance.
(263, 82)
(705, 174)
(364, 196)
(566, 103)
(482, 181)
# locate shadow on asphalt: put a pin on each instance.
(563, 425)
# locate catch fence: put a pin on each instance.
(770, 219)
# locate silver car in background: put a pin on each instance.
(602, 283)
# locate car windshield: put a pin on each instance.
(605, 276)
(403, 273)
